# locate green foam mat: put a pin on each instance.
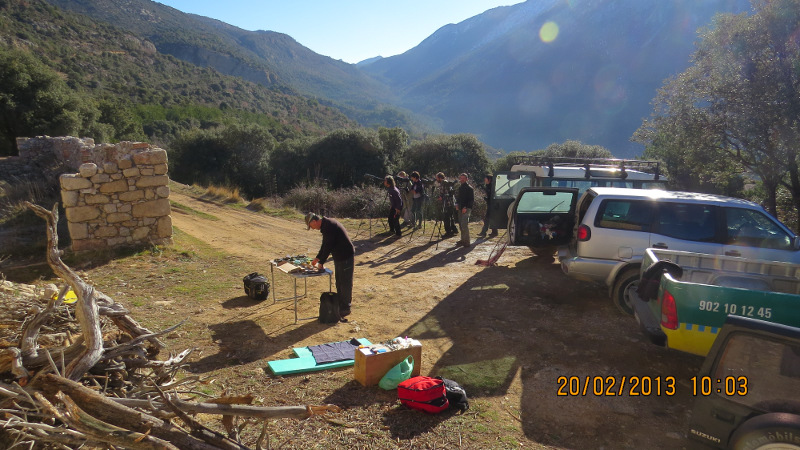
(305, 362)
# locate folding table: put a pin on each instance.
(296, 276)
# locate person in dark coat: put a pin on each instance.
(395, 206)
(487, 184)
(417, 196)
(335, 243)
(465, 198)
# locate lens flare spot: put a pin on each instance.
(548, 32)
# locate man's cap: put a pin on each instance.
(402, 173)
(464, 175)
(309, 218)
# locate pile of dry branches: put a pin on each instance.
(104, 387)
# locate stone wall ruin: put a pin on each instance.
(119, 195)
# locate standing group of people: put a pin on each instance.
(408, 202)
(455, 204)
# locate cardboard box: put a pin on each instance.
(369, 370)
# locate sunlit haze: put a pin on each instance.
(351, 30)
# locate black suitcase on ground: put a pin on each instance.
(329, 307)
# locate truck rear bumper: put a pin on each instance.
(648, 323)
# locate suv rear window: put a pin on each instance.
(687, 221)
(634, 215)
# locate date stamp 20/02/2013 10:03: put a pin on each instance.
(646, 386)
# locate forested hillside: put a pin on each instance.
(112, 85)
(264, 57)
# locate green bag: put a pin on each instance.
(397, 374)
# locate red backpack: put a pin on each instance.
(423, 393)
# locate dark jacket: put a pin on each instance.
(488, 191)
(395, 200)
(335, 241)
(418, 188)
(465, 197)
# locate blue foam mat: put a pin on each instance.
(305, 362)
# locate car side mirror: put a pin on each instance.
(796, 243)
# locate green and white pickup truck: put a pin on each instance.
(688, 310)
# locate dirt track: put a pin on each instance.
(511, 330)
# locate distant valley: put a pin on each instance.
(490, 75)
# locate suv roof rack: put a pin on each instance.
(653, 167)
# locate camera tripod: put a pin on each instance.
(370, 208)
(446, 208)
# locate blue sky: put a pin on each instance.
(350, 30)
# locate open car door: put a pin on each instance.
(505, 188)
(543, 217)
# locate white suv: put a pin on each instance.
(602, 236)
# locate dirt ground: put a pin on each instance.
(516, 335)
(507, 332)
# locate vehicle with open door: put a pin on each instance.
(542, 218)
(580, 173)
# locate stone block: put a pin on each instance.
(131, 196)
(88, 244)
(125, 164)
(96, 199)
(164, 227)
(149, 194)
(160, 169)
(114, 186)
(132, 172)
(156, 180)
(149, 221)
(155, 208)
(83, 213)
(124, 231)
(140, 233)
(162, 191)
(117, 176)
(69, 198)
(100, 178)
(106, 232)
(110, 167)
(88, 170)
(78, 230)
(110, 208)
(126, 207)
(118, 217)
(74, 182)
(113, 242)
(146, 171)
(155, 156)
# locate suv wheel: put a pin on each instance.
(628, 279)
(773, 430)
